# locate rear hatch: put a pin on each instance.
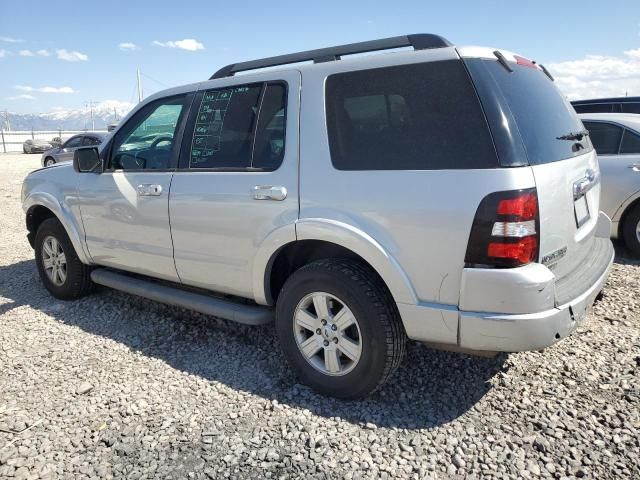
(533, 124)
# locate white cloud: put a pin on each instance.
(4, 53)
(26, 53)
(596, 76)
(127, 46)
(43, 53)
(26, 88)
(633, 53)
(22, 96)
(11, 40)
(186, 44)
(71, 56)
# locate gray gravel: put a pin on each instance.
(113, 386)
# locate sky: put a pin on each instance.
(61, 55)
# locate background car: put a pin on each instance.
(64, 153)
(36, 146)
(57, 141)
(608, 105)
(616, 138)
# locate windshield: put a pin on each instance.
(545, 121)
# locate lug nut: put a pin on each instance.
(334, 328)
(318, 331)
(323, 321)
(335, 340)
(326, 343)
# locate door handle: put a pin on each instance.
(269, 192)
(149, 190)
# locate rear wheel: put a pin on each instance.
(339, 328)
(631, 230)
(60, 269)
(49, 161)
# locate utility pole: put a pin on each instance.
(140, 93)
(7, 124)
(90, 104)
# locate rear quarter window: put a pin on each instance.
(540, 114)
(422, 116)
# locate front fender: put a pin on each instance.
(366, 247)
(64, 215)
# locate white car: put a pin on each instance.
(616, 138)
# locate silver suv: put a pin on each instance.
(440, 193)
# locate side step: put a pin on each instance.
(218, 307)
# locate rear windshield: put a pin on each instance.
(540, 112)
(423, 116)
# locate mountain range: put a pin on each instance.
(104, 113)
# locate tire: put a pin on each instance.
(631, 230)
(24, 149)
(77, 279)
(377, 329)
(49, 161)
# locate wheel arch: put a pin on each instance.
(39, 207)
(321, 238)
(624, 211)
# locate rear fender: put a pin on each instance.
(366, 247)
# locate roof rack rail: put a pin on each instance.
(419, 41)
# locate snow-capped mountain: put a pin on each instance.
(104, 113)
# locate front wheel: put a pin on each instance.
(49, 161)
(60, 269)
(339, 328)
(631, 230)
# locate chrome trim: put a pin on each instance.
(585, 184)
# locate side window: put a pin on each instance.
(631, 107)
(223, 132)
(411, 117)
(605, 137)
(630, 142)
(73, 142)
(89, 141)
(146, 141)
(268, 150)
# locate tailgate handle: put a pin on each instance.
(585, 184)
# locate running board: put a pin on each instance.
(218, 307)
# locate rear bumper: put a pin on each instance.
(533, 331)
(513, 310)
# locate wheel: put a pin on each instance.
(631, 230)
(24, 149)
(60, 269)
(339, 328)
(49, 161)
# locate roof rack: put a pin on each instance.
(420, 41)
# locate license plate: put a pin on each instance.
(581, 208)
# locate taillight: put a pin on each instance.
(505, 231)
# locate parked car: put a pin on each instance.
(35, 146)
(445, 194)
(112, 126)
(64, 152)
(608, 105)
(616, 138)
(57, 141)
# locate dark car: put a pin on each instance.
(608, 105)
(64, 153)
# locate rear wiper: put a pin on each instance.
(574, 135)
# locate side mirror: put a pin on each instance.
(87, 160)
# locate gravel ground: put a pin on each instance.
(114, 386)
